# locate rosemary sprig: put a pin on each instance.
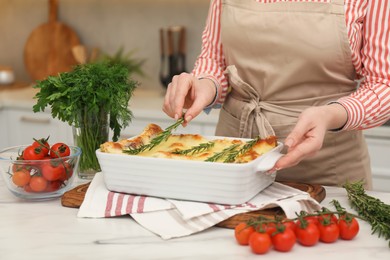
(221, 154)
(231, 157)
(195, 149)
(373, 210)
(161, 137)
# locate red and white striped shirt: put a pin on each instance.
(368, 24)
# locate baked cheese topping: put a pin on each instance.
(192, 147)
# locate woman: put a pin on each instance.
(290, 68)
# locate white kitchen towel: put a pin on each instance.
(170, 218)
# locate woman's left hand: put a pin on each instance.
(307, 137)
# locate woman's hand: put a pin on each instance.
(187, 92)
(307, 137)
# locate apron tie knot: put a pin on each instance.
(252, 116)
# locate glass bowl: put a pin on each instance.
(38, 179)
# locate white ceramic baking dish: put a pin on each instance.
(222, 183)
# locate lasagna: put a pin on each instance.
(154, 142)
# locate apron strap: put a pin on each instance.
(338, 7)
(253, 107)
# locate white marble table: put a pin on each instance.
(46, 230)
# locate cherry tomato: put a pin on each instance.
(242, 233)
(38, 183)
(21, 178)
(67, 174)
(33, 153)
(20, 167)
(328, 217)
(43, 144)
(260, 243)
(269, 228)
(308, 235)
(284, 241)
(349, 227)
(312, 219)
(329, 233)
(59, 150)
(53, 186)
(53, 172)
(290, 224)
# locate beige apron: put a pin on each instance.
(282, 58)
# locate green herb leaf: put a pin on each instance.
(373, 210)
(223, 153)
(163, 136)
(196, 149)
(231, 157)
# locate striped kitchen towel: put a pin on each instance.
(170, 218)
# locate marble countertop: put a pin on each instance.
(46, 230)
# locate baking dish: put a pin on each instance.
(213, 182)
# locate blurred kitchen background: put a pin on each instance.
(107, 25)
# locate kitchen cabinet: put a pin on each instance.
(3, 130)
(378, 141)
(23, 125)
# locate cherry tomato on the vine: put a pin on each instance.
(59, 150)
(284, 240)
(260, 243)
(53, 186)
(53, 172)
(43, 144)
(269, 228)
(328, 217)
(349, 227)
(329, 232)
(312, 219)
(33, 153)
(308, 235)
(242, 233)
(290, 224)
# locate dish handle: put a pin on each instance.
(269, 161)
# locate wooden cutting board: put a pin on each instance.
(74, 198)
(48, 49)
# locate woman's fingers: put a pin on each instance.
(305, 140)
(296, 154)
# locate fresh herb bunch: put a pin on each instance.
(161, 137)
(89, 97)
(94, 87)
(127, 59)
(373, 210)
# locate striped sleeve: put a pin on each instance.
(211, 62)
(369, 34)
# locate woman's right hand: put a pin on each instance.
(187, 92)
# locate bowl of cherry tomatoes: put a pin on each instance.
(39, 171)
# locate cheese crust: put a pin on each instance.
(179, 142)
